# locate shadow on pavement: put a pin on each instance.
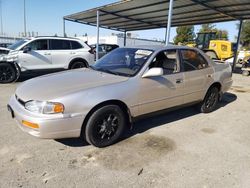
(153, 121)
(73, 142)
(237, 69)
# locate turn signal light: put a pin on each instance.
(58, 108)
(29, 124)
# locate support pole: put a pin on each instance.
(1, 15)
(64, 32)
(124, 38)
(170, 10)
(24, 17)
(237, 46)
(97, 42)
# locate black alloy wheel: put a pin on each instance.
(8, 73)
(210, 102)
(105, 126)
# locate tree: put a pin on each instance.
(220, 34)
(245, 34)
(184, 35)
(207, 28)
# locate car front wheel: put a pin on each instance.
(210, 101)
(8, 73)
(105, 126)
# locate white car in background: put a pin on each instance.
(44, 53)
(4, 51)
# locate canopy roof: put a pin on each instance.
(130, 15)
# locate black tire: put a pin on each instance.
(105, 126)
(210, 101)
(8, 73)
(78, 64)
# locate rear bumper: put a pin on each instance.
(50, 126)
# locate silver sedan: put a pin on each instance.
(100, 102)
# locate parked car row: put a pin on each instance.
(44, 53)
(99, 102)
(47, 53)
(104, 49)
(5, 44)
(4, 51)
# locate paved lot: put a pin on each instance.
(178, 149)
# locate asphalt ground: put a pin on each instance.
(182, 148)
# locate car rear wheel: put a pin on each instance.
(105, 126)
(210, 101)
(78, 65)
(8, 73)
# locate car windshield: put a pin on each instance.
(123, 61)
(17, 44)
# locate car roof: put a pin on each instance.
(52, 37)
(159, 47)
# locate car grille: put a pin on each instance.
(20, 100)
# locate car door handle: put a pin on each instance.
(72, 53)
(47, 53)
(178, 81)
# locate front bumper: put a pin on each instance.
(50, 126)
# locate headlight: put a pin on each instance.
(44, 107)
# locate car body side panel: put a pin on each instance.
(161, 92)
(35, 59)
(196, 84)
(223, 75)
(79, 102)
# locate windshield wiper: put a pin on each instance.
(108, 71)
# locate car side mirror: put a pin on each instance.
(153, 72)
(26, 49)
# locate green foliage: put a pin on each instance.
(184, 35)
(220, 34)
(245, 35)
(207, 28)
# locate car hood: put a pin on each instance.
(56, 85)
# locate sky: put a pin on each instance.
(45, 17)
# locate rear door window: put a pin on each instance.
(192, 60)
(57, 44)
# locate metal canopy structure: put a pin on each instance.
(131, 15)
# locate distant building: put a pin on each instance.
(119, 40)
(9, 39)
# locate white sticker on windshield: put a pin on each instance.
(143, 52)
